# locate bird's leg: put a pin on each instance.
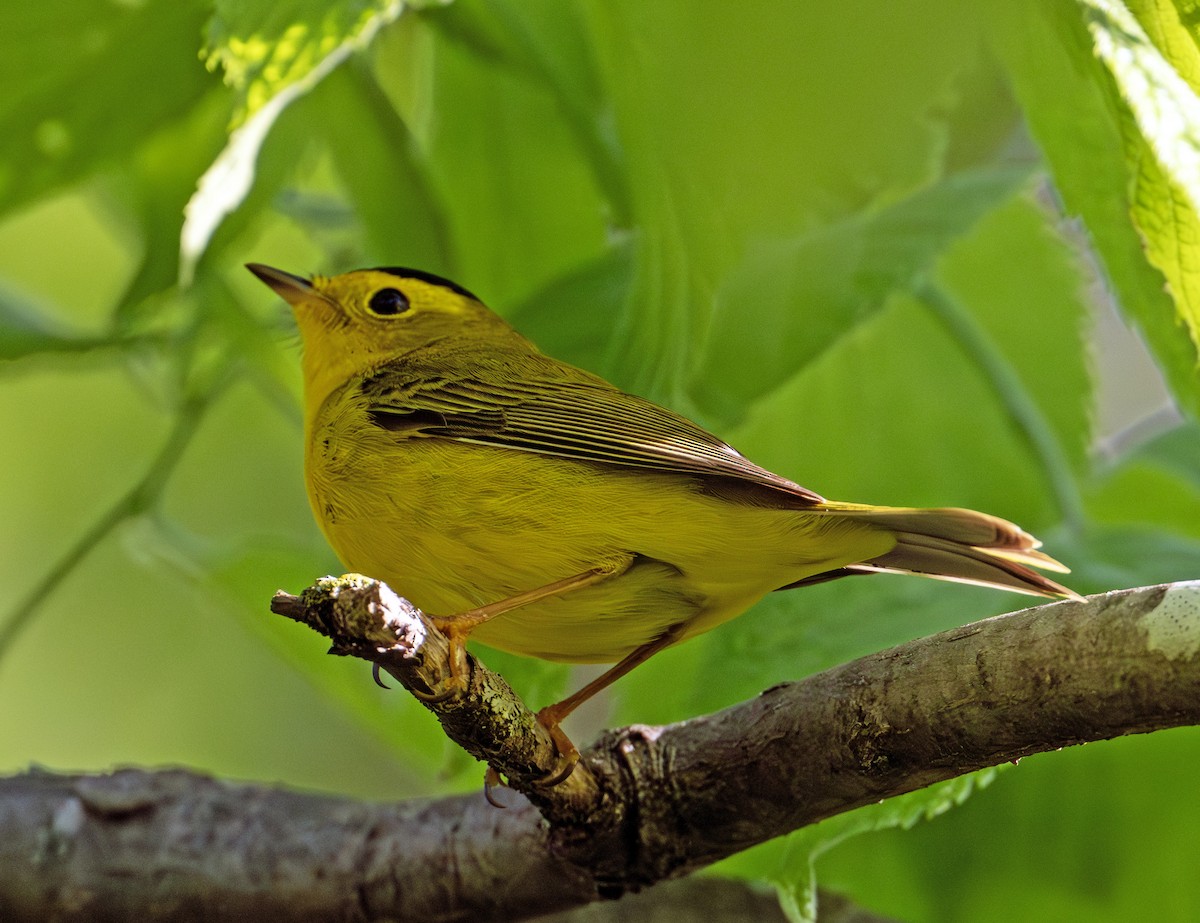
(551, 716)
(458, 627)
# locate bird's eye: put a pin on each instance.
(388, 301)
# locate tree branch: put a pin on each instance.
(364, 618)
(653, 803)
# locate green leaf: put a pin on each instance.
(271, 53)
(900, 413)
(1143, 493)
(151, 187)
(1158, 485)
(1136, 555)
(263, 48)
(1073, 835)
(713, 179)
(1189, 18)
(79, 64)
(383, 172)
(524, 207)
(571, 318)
(1177, 451)
(1074, 114)
(1025, 288)
(791, 300)
(790, 863)
(547, 43)
(1163, 151)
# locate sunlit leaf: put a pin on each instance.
(271, 53)
(263, 47)
(1072, 110)
(1164, 152)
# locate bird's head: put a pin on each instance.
(354, 322)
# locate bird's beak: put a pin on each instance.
(292, 289)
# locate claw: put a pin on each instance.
(491, 780)
(375, 676)
(456, 682)
(560, 773)
(568, 753)
(449, 691)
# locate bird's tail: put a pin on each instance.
(954, 544)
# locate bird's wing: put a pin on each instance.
(587, 420)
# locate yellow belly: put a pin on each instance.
(452, 526)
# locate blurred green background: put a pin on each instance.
(926, 253)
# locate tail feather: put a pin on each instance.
(919, 554)
(959, 545)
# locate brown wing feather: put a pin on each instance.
(543, 410)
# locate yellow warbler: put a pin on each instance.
(556, 515)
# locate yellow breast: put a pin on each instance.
(454, 525)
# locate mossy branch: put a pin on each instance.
(364, 618)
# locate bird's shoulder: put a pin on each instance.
(524, 400)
